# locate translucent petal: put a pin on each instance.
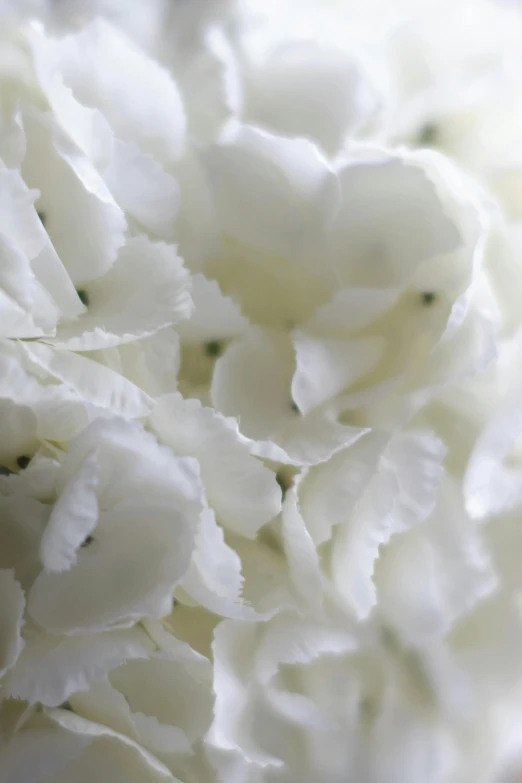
(138, 97)
(214, 317)
(326, 366)
(113, 756)
(139, 480)
(392, 220)
(303, 560)
(18, 429)
(143, 189)
(400, 495)
(434, 575)
(305, 89)
(233, 648)
(52, 668)
(214, 576)
(39, 754)
(85, 224)
(23, 230)
(490, 485)
(351, 309)
(73, 517)
(275, 194)
(244, 493)
(252, 382)
(26, 308)
(209, 79)
(166, 689)
(146, 290)
(92, 381)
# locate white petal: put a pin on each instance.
(102, 703)
(36, 754)
(303, 89)
(132, 464)
(18, 429)
(60, 412)
(411, 746)
(92, 381)
(159, 738)
(11, 620)
(52, 668)
(23, 521)
(19, 222)
(463, 356)
(267, 584)
(82, 219)
(26, 308)
(435, 574)
(328, 493)
(22, 227)
(326, 366)
(216, 563)
(197, 663)
(12, 139)
(149, 503)
(143, 189)
(303, 560)
(116, 757)
(392, 221)
(146, 290)
(73, 518)
(214, 317)
(209, 79)
(490, 485)
(168, 690)
(87, 127)
(310, 440)
(290, 640)
(137, 95)
(351, 309)
(400, 495)
(214, 576)
(103, 589)
(242, 491)
(153, 362)
(233, 649)
(252, 382)
(271, 193)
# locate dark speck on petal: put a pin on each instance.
(87, 541)
(428, 297)
(23, 462)
(428, 135)
(84, 296)
(294, 407)
(214, 348)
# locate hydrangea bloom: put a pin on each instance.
(260, 346)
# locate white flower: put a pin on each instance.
(81, 169)
(340, 293)
(163, 702)
(259, 398)
(98, 540)
(298, 697)
(242, 495)
(59, 745)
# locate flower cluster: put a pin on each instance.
(260, 396)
